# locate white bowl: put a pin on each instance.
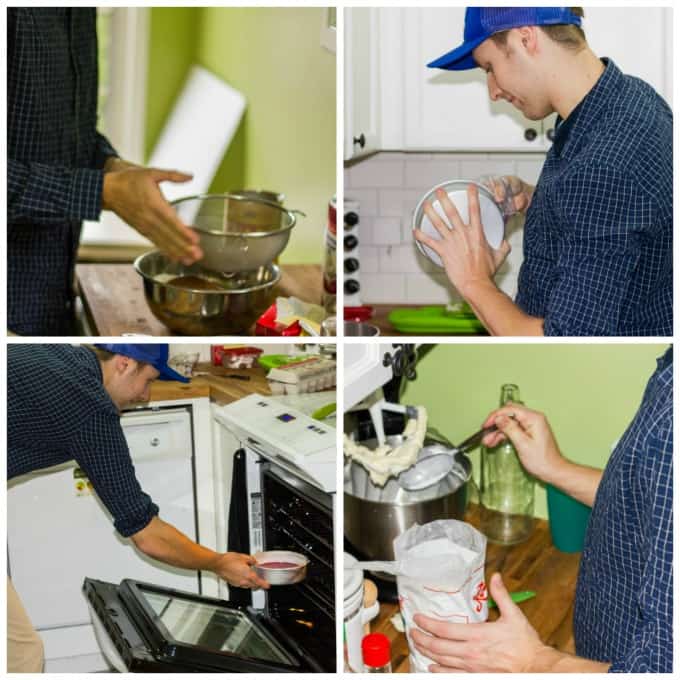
(281, 576)
(492, 216)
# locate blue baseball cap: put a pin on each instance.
(156, 355)
(482, 22)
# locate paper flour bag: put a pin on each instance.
(441, 574)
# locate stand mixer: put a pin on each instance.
(374, 515)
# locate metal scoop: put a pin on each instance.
(432, 469)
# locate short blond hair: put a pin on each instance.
(569, 36)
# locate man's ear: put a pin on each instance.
(121, 363)
(528, 36)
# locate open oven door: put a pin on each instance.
(147, 628)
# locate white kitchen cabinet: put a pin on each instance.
(362, 87)
(433, 110)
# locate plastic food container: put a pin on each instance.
(240, 357)
(492, 216)
(281, 567)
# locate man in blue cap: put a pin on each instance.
(64, 403)
(598, 256)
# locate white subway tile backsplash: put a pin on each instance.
(390, 202)
(398, 203)
(507, 283)
(368, 259)
(529, 170)
(424, 176)
(382, 288)
(367, 199)
(492, 166)
(386, 231)
(388, 186)
(429, 289)
(365, 232)
(377, 173)
(402, 258)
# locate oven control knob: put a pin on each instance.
(351, 265)
(352, 286)
(351, 218)
(350, 242)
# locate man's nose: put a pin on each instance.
(495, 92)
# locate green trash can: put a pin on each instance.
(568, 520)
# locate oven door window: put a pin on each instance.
(189, 625)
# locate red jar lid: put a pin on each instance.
(375, 648)
(362, 313)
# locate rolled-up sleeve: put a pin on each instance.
(49, 194)
(603, 216)
(103, 150)
(101, 451)
(651, 649)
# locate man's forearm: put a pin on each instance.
(499, 314)
(165, 543)
(551, 661)
(578, 481)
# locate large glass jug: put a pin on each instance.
(506, 489)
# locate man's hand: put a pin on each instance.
(132, 192)
(532, 437)
(466, 255)
(236, 569)
(507, 645)
(510, 193)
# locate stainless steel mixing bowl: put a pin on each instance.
(238, 232)
(374, 516)
(192, 311)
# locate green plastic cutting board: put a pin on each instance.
(435, 319)
(269, 361)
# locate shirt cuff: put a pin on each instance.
(84, 200)
(128, 526)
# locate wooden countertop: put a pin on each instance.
(216, 385)
(113, 296)
(533, 565)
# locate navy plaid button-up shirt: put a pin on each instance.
(598, 253)
(58, 411)
(55, 160)
(624, 598)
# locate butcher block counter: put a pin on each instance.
(534, 565)
(214, 382)
(114, 303)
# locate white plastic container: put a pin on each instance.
(355, 615)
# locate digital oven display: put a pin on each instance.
(286, 417)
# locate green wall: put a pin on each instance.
(589, 392)
(172, 46)
(287, 139)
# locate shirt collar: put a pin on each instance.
(588, 109)
(666, 360)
